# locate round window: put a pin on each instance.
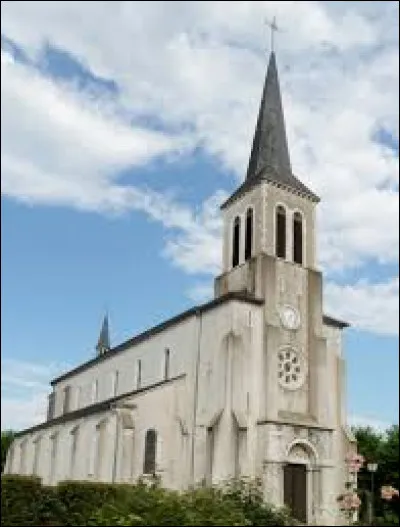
(290, 369)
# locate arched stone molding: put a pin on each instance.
(309, 453)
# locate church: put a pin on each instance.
(250, 384)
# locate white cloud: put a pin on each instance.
(26, 386)
(372, 307)
(201, 292)
(198, 248)
(358, 228)
(23, 412)
(60, 145)
(372, 422)
(199, 66)
(6, 58)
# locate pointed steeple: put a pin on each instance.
(270, 148)
(103, 344)
(269, 158)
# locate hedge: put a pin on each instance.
(25, 501)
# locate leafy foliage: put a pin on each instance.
(248, 496)
(81, 499)
(382, 449)
(6, 440)
(25, 501)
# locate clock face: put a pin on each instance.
(290, 317)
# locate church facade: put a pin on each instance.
(249, 384)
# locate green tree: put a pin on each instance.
(6, 440)
(382, 449)
(390, 456)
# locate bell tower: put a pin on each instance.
(269, 253)
(272, 212)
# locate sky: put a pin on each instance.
(124, 126)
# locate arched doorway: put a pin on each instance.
(297, 481)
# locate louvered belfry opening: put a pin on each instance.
(297, 238)
(236, 242)
(248, 249)
(280, 232)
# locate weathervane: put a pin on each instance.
(273, 27)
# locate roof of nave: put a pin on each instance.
(241, 297)
(96, 408)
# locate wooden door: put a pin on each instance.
(295, 490)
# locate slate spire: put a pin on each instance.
(103, 344)
(270, 148)
(269, 158)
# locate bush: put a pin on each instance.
(143, 505)
(82, 498)
(24, 501)
(207, 506)
(249, 496)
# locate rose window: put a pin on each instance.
(290, 368)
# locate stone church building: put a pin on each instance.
(248, 384)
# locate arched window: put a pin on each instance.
(297, 238)
(150, 448)
(280, 232)
(248, 248)
(236, 242)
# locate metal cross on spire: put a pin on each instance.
(273, 27)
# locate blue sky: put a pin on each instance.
(124, 126)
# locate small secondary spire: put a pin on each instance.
(103, 344)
